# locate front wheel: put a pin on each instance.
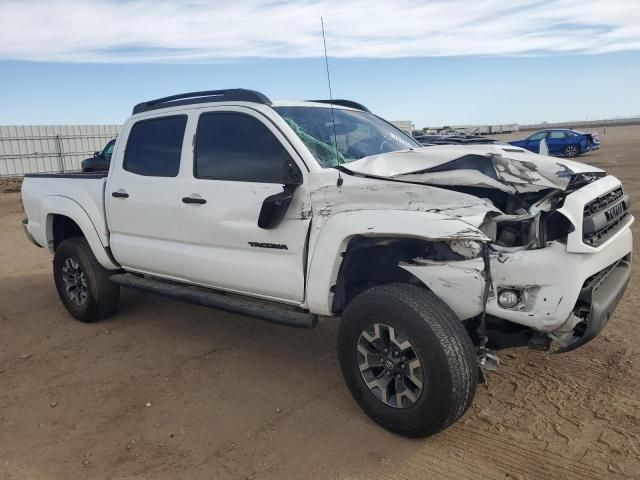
(83, 284)
(407, 359)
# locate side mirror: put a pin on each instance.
(275, 207)
(96, 154)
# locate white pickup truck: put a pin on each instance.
(434, 257)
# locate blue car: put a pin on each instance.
(560, 142)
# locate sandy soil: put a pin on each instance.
(10, 185)
(170, 390)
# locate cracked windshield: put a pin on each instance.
(357, 134)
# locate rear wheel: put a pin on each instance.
(82, 283)
(407, 359)
(571, 151)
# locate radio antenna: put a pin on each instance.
(333, 118)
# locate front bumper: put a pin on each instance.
(551, 281)
(598, 299)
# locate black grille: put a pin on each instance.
(604, 216)
(602, 202)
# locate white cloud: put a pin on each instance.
(207, 31)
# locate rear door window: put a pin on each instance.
(557, 135)
(236, 146)
(154, 146)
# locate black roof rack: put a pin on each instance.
(233, 94)
(344, 103)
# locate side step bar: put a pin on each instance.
(262, 309)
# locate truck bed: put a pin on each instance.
(77, 190)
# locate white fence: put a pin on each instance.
(50, 148)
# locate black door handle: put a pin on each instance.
(120, 195)
(200, 201)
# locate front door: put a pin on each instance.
(533, 142)
(143, 197)
(240, 159)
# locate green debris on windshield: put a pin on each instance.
(353, 133)
(324, 153)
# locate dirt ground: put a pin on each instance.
(167, 390)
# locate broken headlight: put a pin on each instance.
(466, 248)
(528, 231)
(511, 230)
(517, 233)
(554, 226)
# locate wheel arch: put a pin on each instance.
(64, 218)
(358, 273)
(351, 237)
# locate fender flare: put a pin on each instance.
(58, 205)
(333, 236)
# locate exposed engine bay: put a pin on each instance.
(525, 189)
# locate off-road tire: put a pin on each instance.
(102, 296)
(439, 339)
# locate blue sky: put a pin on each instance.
(434, 62)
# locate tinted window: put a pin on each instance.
(108, 150)
(538, 136)
(154, 146)
(234, 146)
(557, 135)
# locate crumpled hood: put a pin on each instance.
(504, 167)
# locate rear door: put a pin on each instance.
(143, 200)
(240, 159)
(556, 141)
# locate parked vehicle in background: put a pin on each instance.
(432, 258)
(100, 160)
(561, 142)
(456, 140)
(468, 130)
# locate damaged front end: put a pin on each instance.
(556, 259)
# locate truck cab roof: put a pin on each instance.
(233, 96)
